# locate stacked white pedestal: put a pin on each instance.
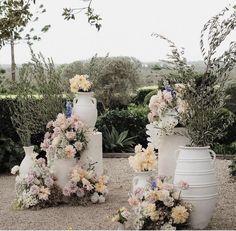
(93, 152)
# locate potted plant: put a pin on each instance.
(143, 163)
(205, 98)
(84, 104)
(166, 111)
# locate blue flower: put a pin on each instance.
(153, 184)
(68, 110)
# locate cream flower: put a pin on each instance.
(43, 193)
(69, 151)
(150, 211)
(179, 214)
(15, 169)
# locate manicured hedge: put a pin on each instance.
(133, 120)
(141, 93)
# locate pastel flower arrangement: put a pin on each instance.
(167, 108)
(65, 138)
(80, 83)
(159, 206)
(35, 188)
(121, 216)
(84, 185)
(144, 159)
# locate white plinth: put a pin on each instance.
(94, 152)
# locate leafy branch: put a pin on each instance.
(93, 18)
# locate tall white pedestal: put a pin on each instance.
(94, 151)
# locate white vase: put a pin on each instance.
(121, 226)
(196, 166)
(85, 106)
(28, 161)
(61, 169)
(141, 180)
(167, 145)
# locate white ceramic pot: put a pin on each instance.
(85, 106)
(196, 166)
(141, 180)
(28, 161)
(61, 169)
(167, 145)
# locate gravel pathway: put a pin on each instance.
(99, 216)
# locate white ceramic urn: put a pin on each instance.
(28, 161)
(85, 106)
(196, 166)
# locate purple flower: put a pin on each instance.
(34, 190)
(30, 179)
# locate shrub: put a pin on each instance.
(11, 154)
(148, 97)
(141, 93)
(114, 79)
(232, 167)
(133, 120)
(231, 99)
(117, 142)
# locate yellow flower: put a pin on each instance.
(150, 211)
(153, 196)
(179, 214)
(100, 187)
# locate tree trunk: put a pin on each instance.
(13, 63)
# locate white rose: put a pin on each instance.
(56, 141)
(101, 199)
(15, 169)
(94, 198)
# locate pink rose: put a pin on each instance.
(49, 124)
(183, 185)
(70, 135)
(167, 96)
(70, 151)
(133, 201)
(45, 145)
(78, 145)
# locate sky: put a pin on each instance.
(126, 30)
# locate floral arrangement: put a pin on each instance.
(65, 138)
(34, 189)
(85, 185)
(144, 159)
(159, 206)
(39, 187)
(121, 216)
(80, 83)
(167, 108)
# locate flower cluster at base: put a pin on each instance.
(121, 216)
(34, 189)
(144, 159)
(167, 108)
(80, 83)
(159, 206)
(85, 185)
(39, 189)
(65, 138)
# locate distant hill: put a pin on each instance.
(149, 74)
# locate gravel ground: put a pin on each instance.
(99, 216)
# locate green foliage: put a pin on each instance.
(133, 120)
(205, 93)
(141, 93)
(30, 113)
(225, 149)
(231, 98)
(232, 167)
(114, 79)
(117, 142)
(148, 97)
(15, 16)
(93, 19)
(11, 154)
